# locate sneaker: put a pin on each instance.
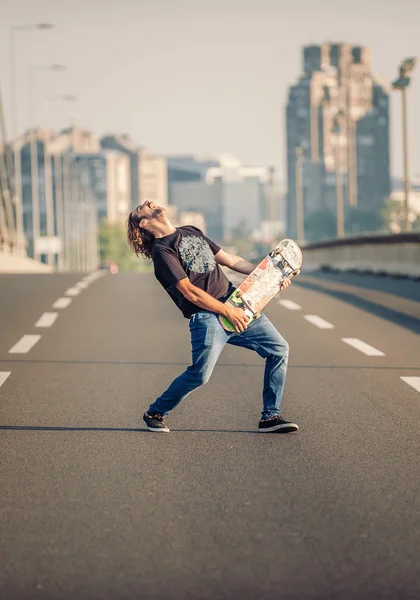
(155, 422)
(277, 423)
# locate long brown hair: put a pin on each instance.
(139, 239)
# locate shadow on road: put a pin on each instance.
(185, 365)
(389, 314)
(129, 429)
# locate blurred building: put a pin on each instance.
(187, 167)
(69, 182)
(200, 197)
(397, 205)
(107, 174)
(179, 218)
(29, 152)
(123, 143)
(338, 114)
(231, 197)
(148, 171)
(153, 177)
(59, 211)
(397, 183)
(413, 202)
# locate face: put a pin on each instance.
(150, 211)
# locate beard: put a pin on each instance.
(158, 213)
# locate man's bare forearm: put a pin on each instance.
(204, 300)
(242, 266)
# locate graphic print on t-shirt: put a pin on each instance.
(197, 254)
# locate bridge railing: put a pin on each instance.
(386, 254)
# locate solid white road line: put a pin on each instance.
(362, 347)
(413, 381)
(24, 344)
(318, 322)
(3, 376)
(62, 303)
(290, 305)
(73, 291)
(47, 319)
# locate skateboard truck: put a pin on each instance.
(261, 285)
(247, 305)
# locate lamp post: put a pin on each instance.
(336, 129)
(13, 31)
(34, 164)
(62, 174)
(402, 84)
(15, 169)
(300, 217)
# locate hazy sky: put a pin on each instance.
(197, 76)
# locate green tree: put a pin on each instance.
(113, 247)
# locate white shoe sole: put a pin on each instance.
(289, 428)
(158, 429)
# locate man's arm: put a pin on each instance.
(236, 263)
(202, 299)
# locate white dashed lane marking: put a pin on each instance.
(362, 347)
(24, 344)
(413, 381)
(73, 291)
(290, 305)
(3, 376)
(318, 322)
(47, 319)
(62, 303)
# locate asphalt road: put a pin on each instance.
(94, 507)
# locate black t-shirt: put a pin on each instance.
(189, 253)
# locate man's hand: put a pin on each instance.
(287, 282)
(237, 317)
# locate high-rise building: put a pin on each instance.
(337, 133)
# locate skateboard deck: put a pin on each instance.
(284, 261)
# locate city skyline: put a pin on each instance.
(175, 90)
(337, 137)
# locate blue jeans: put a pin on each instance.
(208, 339)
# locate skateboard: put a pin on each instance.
(284, 261)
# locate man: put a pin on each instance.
(187, 264)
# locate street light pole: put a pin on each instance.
(402, 84)
(34, 166)
(15, 170)
(13, 31)
(336, 129)
(62, 198)
(300, 223)
(407, 224)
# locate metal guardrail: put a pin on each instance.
(385, 254)
(385, 238)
